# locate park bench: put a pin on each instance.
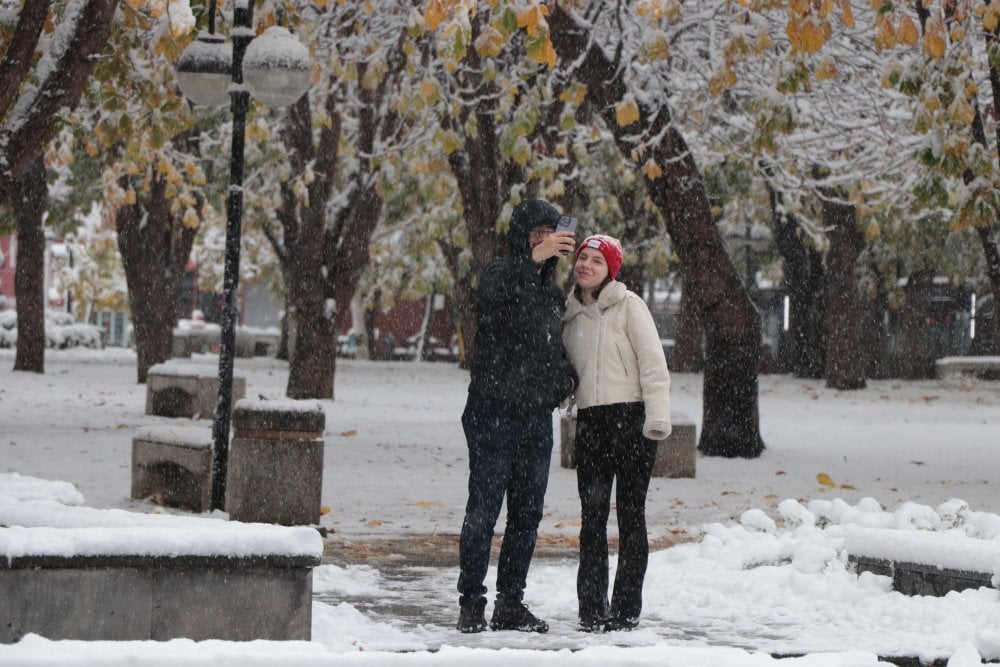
(74, 572)
(984, 368)
(922, 562)
(178, 389)
(249, 342)
(676, 455)
(173, 465)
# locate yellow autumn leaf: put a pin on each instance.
(427, 89)
(827, 69)
(934, 38)
(348, 434)
(375, 522)
(652, 170)
(428, 503)
(434, 14)
(991, 18)
(489, 43)
(324, 510)
(450, 141)
(824, 479)
(627, 111)
(961, 112)
(848, 487)
(541, 51)
(320, 3)
(873, 231)
(908, 32)
(533, 19)
(848, 15)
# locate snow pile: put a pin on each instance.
(37, 523)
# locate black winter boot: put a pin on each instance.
(513, 615)
(472, 615)
(618, 623)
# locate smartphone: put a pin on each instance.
(566, 223)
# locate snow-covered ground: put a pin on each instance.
(747, 586)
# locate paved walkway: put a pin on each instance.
(419, 574)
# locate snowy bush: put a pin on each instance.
(61, 331)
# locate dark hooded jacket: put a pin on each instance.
(519, 363)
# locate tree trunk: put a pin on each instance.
(155, 248)
(730, 424)
(805, 279)
(689, 342)
(845, 362)
(29, 200)
(325, 258)
(917, 362)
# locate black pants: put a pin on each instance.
(610, 448)
(509, 454)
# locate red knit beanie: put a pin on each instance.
(609, 246)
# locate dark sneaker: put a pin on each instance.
(623, 623)
(515, 616)
(592, 624)
(472, 616)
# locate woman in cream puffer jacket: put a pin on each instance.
(623, 408)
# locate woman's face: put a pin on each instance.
(590, 269)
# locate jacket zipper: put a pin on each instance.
(600, 348)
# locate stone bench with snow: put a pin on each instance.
(275, 471)
(74, 572)
(922, 562)
(250, 341)
(178, 389)
(173, 466)
(984, 368)
(676, 455)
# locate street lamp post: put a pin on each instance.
(280, 76)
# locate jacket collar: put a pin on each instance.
(612, 293)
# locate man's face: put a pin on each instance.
(539, 234)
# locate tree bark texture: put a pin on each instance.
(155, 248)
(75, 44)
(731, 424)
(313, 357)
(846, 360)
(917, 361)
(29, 200)
(805, 278)
(689, 342)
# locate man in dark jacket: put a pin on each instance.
(519, 375)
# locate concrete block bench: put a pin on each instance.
(676, 455)
(275, 471)
(181, 344)
(984, 368)
(178, 389)
(173, 465)
(922, 562)
(87, 574)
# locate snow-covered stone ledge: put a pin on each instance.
(923, 562)
(74, 572)
(984, 367)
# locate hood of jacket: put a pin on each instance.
(612, 293)
(527, 215)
